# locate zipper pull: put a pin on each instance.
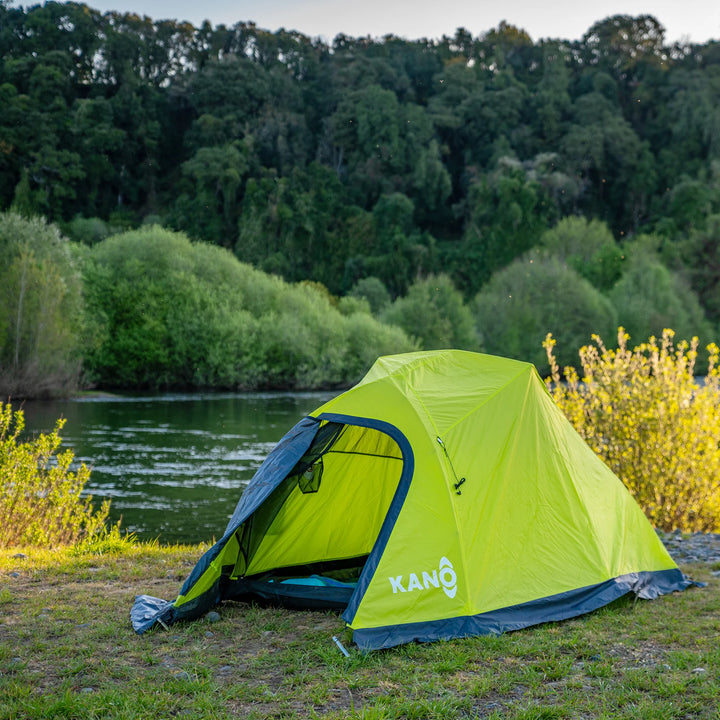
(459, 482)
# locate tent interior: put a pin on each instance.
(307, 544)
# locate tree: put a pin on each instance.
(588, 247)
(234, 88)
(686, 206)
(40, 310)
(506, 215)
(649, 297)
(627, 48)
(209, 209)
(691, 121)
(98, 143)
(70, 28)
(433, 313)
(552, 102)
(533, 296)
(295, 226)
(140, 111)
(385, 146)
(614, 165)
(701, 260)
(491, 118)
(401, 253)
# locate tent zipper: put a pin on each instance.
(459, 482)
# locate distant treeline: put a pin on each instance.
(537, 184)
(149, 309)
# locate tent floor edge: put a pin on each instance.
(563, 606)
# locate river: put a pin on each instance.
(173, 466)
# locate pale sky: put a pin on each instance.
(691, 20)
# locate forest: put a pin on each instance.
(475, 191)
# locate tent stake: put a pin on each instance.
(341, 646)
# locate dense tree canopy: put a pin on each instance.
(287, 149)
(400, 175)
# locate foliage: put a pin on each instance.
(700, 258)
(363, 157)
(588, 247)
(292, 226)
(87, 231)
(649, 297)
(434, 314)
(507, 213)
(180, 314)
(41, 502)
(374, 291)
(338, 162)
(657, 428)
(535, 295)
(40, 309)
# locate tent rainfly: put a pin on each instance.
(443, 496)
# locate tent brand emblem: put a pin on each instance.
(444, 577)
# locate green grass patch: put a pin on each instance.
(67, 650)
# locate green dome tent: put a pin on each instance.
(445, 495)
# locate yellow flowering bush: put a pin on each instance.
(652, 422)
(40, 499)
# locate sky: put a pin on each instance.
(687, 20)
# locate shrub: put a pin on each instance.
(657, 428)
(40, 310)
(40, 499)
(172, 313)
(351, 305)
(588, 247)
(434, 314)
(533, 296)
(372, 290)
(87, 231)
(649, 297)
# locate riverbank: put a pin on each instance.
(67, 650)
(693, 547)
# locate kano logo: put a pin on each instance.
(444, 577)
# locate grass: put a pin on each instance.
(67, 650)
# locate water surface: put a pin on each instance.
(173, 466)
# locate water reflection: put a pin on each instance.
(174, 466)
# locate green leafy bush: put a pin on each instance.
(535, 295)
(87, 231)
(588, 247)
(699, 255)
(171, 313)
(372, 290)
(434, 314)
(649, 297)
(657, 428)
(41, 502)
(40, 310)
